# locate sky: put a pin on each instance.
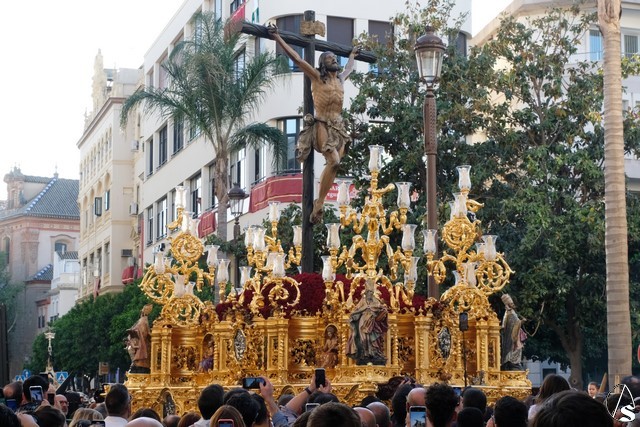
(49, 48)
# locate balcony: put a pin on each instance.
(286, 188)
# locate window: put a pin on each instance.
(60, 247)
(460, 42)
(196, 195)
(107, 200)
(235, 4)
(150, 226)
(150, 79)
(260, 163)
(161, 223)
(107, 258)
(162, 146)
(174, 212)
(630, 45)
(340, 30)
(212, 185)
(238, 64)
(162, 73)
(150, 157)
(290, 23)
(291, 128)
(237, 167)
(218, 9)
(178, 135)
(194, 131)
(382, 32)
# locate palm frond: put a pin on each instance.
(255, 135)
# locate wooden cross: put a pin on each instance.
(308, 30)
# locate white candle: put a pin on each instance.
(429, 241)
(180, 196)
(408, 237)
(274, 211)
(490, 246)
(223, 271)
(258, 239)
(297, 235)
(159, 263)
(245, 275)
(404, 196)
(464, 180)
(333, 235)
(278, 265)
(343, 192)
(178, 288)
(327, 269)
(212, 255)
(193, 226)
(374, 157)
(248, 237)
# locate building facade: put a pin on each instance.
(40, 217)
(108, 192)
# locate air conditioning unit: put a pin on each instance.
(126, 253)
(133, 208)
(135, 145)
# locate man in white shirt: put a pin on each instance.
(118, 403)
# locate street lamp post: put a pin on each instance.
(236, 201)
(429, 53)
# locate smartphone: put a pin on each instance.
(224, 422)
(36, 393)
(458, 391)
(418, 416)
(251, 382)
(310, 406)
(51, 398)
(321, 380)
(12, 404)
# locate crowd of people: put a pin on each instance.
(410, 405)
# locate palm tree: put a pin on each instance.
(214, 92)
(617, 261)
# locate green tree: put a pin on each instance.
(537, 169)
(8, 291)
(93, 332)
(214, 92)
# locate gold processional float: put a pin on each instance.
(363, 329)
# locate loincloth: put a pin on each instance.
(337, 137)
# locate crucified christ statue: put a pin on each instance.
(325, 132)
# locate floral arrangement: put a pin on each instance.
(312, 296)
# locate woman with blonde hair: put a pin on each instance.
(227, 412)
(85, 414)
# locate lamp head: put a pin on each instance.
(429, 50)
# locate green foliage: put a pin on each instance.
(538, 171)
(93, 332)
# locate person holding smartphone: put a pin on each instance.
(29, 403)
(296, 406)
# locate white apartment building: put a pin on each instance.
(172, 157)
(107, 197)
(64, 284)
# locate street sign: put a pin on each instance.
(26, 373)
(19, 378)
(61, 376)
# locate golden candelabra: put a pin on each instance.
(266, 256)
(478, 272)
(373, 226)
(170, 281)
